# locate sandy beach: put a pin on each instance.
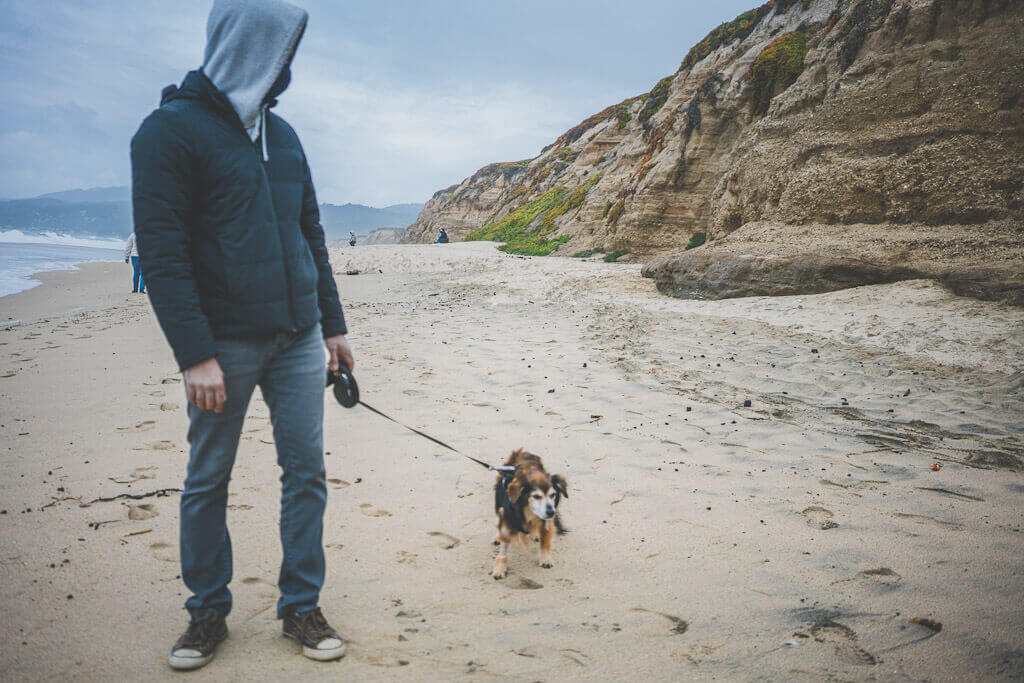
(801, 536)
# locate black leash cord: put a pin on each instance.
(499, 468)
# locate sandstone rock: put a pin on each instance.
(897, 151)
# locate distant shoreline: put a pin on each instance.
(22, 262)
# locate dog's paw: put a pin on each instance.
(500, 566)
(547, 565)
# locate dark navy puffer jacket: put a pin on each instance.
(231, 245)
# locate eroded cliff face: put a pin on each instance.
(816, 144)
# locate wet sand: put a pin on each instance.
(804, 536)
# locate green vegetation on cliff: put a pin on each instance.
(515, 228)
(697, 239)
(776, 68)
(737, 29)
(655, 99)
(615, 255)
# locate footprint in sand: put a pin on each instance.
(335, 546)
(157, 394)
(819, 517)
(140, 427)
(170, 380)
(844, 639)
(164, 552)
(521, 583)
(447, 540)
(9, 373)
(338, 484)
(406, 558)
(679, 626)
(251, 580)
(240, 506)
(951, 494)
(142, 511)
(168, 406)
(881, 575)
(371, 511)
(925, 519)
(135, 475)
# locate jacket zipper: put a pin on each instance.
(280, 237)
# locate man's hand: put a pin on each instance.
(339, 351)
(126, 259)
(204, 383)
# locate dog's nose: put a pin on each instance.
(550, 511)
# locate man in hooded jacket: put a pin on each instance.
(230, 240)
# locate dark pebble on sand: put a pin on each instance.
(814, 350)
(70, 596)
(746, 404)
(688, 408)
(907, 392)
(709, 507)
(551, 391)
(584, 365)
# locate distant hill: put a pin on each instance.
(89, 218)
(362, 220)
(106, 212)
(95, 195)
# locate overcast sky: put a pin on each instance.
(392, 99)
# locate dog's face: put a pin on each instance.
(538, 491)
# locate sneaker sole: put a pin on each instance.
(188, 663)
(320, 655)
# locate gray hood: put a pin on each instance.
(248, 45)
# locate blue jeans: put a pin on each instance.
(138, 284)
(291, 370)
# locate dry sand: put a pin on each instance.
(804, 537)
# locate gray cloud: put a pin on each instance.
(392, 99)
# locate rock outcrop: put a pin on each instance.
(383, 236)
(808, 144)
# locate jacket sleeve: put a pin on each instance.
(332, 320)
(162, 163)
(129, 245)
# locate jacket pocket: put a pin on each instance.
(209, 271)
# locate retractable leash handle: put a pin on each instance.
(346, 391)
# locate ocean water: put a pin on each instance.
(24, 254)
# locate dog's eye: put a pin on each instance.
(536, 496)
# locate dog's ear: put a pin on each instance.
(515, 488)
(558, 481)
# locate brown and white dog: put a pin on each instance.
(526, 502)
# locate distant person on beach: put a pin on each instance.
(230, 240)
(131, 253)
(442, 237)
(351, 239)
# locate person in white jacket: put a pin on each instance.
(131, 253)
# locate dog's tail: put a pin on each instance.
(559, 527)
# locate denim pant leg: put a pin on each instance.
(293, 387)
(136, 274)
(205, 543)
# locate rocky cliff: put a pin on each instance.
(808, 145)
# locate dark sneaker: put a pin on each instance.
(197, 645)
(319, 640)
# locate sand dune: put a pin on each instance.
(803, 536)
